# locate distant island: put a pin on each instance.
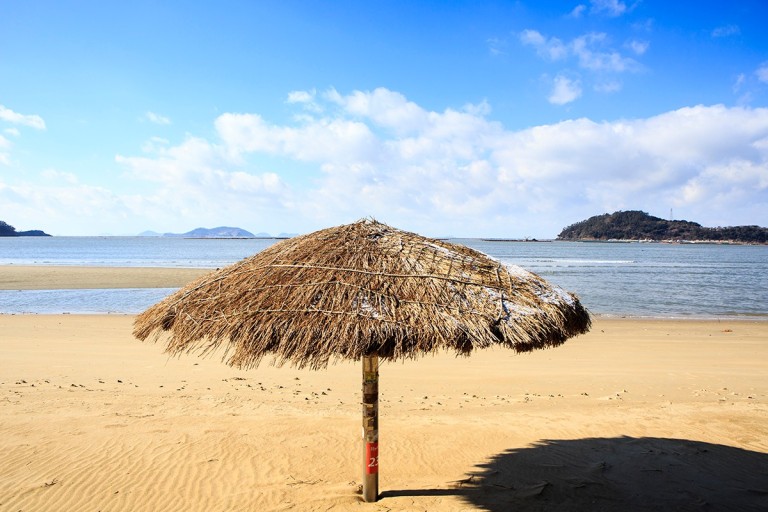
(8, 230)
(219, 232)
(640, 226)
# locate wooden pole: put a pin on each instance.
(371, 428)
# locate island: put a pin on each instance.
(637, 225)
(219, 232)
(8, 230)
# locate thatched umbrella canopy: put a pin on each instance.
(363, 291)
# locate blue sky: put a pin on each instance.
(507, 119)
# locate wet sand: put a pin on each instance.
(32, 277)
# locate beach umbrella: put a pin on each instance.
(366, 292)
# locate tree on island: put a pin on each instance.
(639, 225)
(8, 230)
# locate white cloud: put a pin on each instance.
(638, 47)
(56, 208)
(5, 145)
(549, 48)
(52, 175)
(608, 87)
(480, 110)
(313, 140)
(612, 8)
(12, 131)
(652, 161)
(533, 38)
(740, 79)
(591, 54)
(726, 30)
(301, 96)
(198, 182)
(157, 118)
(564, 90)
(386, 108)
(496, 46)
(762, 72)
(33, 121)
(646, 25)
(591, 50)
(154, 144)
(578, 11)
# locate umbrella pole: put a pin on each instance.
(371, 428)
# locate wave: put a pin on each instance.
(81, 301)
(569, 262)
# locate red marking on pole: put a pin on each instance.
(372, 458)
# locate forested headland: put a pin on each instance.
(8, 230)
(639, 225)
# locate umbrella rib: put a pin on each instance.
(192, 318)
(501, 291)
(384, 274)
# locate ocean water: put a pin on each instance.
(611, 279)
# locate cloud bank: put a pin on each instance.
(454, 172)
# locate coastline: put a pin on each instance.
(671, 241)
(634, 415)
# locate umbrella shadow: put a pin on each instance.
(615, 474)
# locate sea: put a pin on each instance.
(612, 279)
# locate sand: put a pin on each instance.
(635, 415)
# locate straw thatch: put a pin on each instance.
(363, 289)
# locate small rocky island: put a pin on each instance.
(640, 226)
(8, 230)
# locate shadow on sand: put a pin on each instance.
(615, 474)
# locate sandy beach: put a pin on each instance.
(635, 415)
